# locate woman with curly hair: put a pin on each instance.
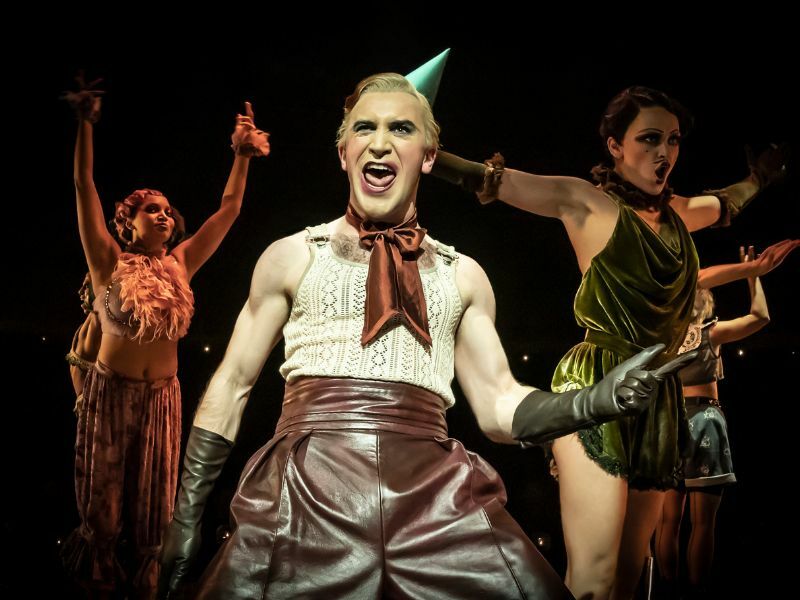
(129, 422)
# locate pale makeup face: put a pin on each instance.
(647, 153)
(153, 222)
(383, 154)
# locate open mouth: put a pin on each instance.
(661, 172)
(378, 176)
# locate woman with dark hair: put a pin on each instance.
(129, 423)
(708, 469)
(630, 235)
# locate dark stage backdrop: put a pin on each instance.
(167, 118)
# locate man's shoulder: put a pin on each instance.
(472, 282)
(286, 248)
(282, 258)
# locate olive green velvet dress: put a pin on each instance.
(638, 291)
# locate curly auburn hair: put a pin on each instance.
(126, 210)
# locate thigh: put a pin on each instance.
(672, 511)
(306, 519)
(704, 506)
(642, 515)
(592, 503)
(447, 533)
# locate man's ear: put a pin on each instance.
(428, 160)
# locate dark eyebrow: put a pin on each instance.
(403, 122)
(652, 129)
(363, 122)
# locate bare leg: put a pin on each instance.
(642, 516)
(700, 553)
(668, 535)
(592, 513)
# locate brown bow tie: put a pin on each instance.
(394, 287)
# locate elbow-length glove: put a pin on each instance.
(765, 169)
(627, 389)
(206, 453)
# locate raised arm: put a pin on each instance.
(773, 256)
(758, 317)
(248, 141)
(98, 245)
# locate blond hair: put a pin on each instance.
(389, 82)
(703, 305)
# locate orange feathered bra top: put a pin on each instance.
(148, 299)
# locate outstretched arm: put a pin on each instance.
(716, 208)
(588, 215)
(773, 256)
(247, 142)
(542, 195)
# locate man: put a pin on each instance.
(361, 493)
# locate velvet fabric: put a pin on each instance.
(638, 291)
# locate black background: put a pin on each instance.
(535, 95)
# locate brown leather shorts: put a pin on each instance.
(361, 494)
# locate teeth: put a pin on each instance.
(379, 168)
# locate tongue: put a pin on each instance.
(381, 179)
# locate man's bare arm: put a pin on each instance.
(257, 330)
(481, 364)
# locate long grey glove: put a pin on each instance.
(206, 453)
(625, 390)
(769, 167)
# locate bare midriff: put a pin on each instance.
(707, 390)
(148, 361)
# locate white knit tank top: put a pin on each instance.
(323, 333)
